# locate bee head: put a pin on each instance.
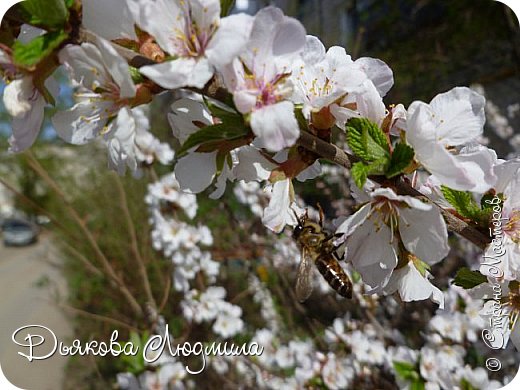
(301, 224)
(297, 231)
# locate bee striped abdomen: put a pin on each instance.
(332, 272)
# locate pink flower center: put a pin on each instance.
(512, 227)
(191, 41)
(268, 92)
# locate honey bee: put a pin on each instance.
(317, 247)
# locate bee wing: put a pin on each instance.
(304, 278)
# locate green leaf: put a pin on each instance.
(378, 167)
(302, 121)
(137, 77)
(134, 364)
(232, 127)
(30, 54)
(218, 132)
(225, 7)
(367, 140)
(355, 142)
(417, 385)
(359, 174)
(224, 113)
(463, 202)
(421, 266)
(489, 200)
(220, 161)
(377, 135)
(465, 385)
(406, 370)
(402, 156)
(467, 279)
(47, 13)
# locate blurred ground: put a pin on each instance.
(29, 281)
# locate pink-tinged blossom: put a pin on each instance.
(194, 35)
(259, 78)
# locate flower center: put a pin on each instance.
(191, 41)
(512, 228)
(388, 209)
(269, 92)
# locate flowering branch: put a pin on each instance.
(326, 150)
(332, 153)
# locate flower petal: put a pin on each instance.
(372, 251)
(109, 19)
(459, 115)
(479, 161)
(424, 233)
(19, 95)
(276, 126)
(378, 72)
(179, 73)
(505, 172)
(279, 212)
(121, 142)
(81, 124)
(118, 68)
(314, 51)
(412, 286)
(229, 40)
(86, 65)
(27, 128)
(159, 18)
(185, 113)
(310, 173)
(205, 13)
(195, 172)
(432, 154)
(253, 166)
(354, 220)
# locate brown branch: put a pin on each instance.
(333, 153)
(98, 317)
(166, 295)
(86, 262)
(141, 268)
